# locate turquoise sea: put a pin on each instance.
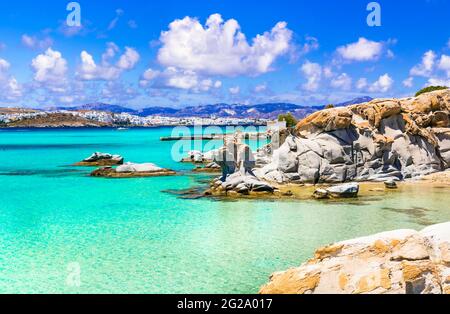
(127, 236)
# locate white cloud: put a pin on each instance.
(408, 82)
(33, 42)
(10, 89)
(439, 82)
(89, 70)
(313, 73)
(50, 68)
(128, 60)
(383, 84)
(425, 68)
(234, 90)
(220, 48)
(361, 83)
(172, 77)
(444, 64)
(343, 82)
(260, 88)
(362, 50)
(113, 23)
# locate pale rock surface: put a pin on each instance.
(401, 261)
(132, 167)
(387, 139)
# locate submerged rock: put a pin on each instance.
(101, 159)
(131, 170)
(401, 262)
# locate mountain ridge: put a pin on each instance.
(263, 110)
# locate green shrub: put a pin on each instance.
(329, 106)
(430, 89)
(291, 121)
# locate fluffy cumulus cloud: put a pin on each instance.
(362, 83)
(408, 82)
(172, 77)
(313, 73)
(424, 68)
(342, 81)
(34, 42)
(318, 76)
(50, 69)
(444, 64)
(382, 84)
(10, 89)
(433, 67)
(362, 50)
(89, 70)
(220, 48)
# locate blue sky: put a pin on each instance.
(178, 53)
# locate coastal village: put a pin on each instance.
(13, 117)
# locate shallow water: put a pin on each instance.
(129, 237)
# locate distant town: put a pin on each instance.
(105, 115)
(65, 118)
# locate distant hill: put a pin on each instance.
(265, 111)
(355, 101)
(99, 107)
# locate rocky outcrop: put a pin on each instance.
(390, 139)
(101, 159)
(237, 162)
(212, 167)
(197, 157)
(132, 170)
(348, 190)
(400, 262)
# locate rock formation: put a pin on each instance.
(237, 163)
(101, 159)
(402, 261)
(348, 190)
(132, 170)
(384, 139)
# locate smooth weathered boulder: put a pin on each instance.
(390, 184)
(348, 190)
(133, 167)
(101, 159)
(239, 184)
(387, 139)
(395, 262)
(194, 156)
(132, 170)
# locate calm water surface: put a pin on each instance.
(129, 237)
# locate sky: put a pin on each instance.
(178, 53)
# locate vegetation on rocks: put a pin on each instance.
(430, 89)
(291, 121)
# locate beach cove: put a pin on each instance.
(128, 236)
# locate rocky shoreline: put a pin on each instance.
(395, 262)
(384, 140)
